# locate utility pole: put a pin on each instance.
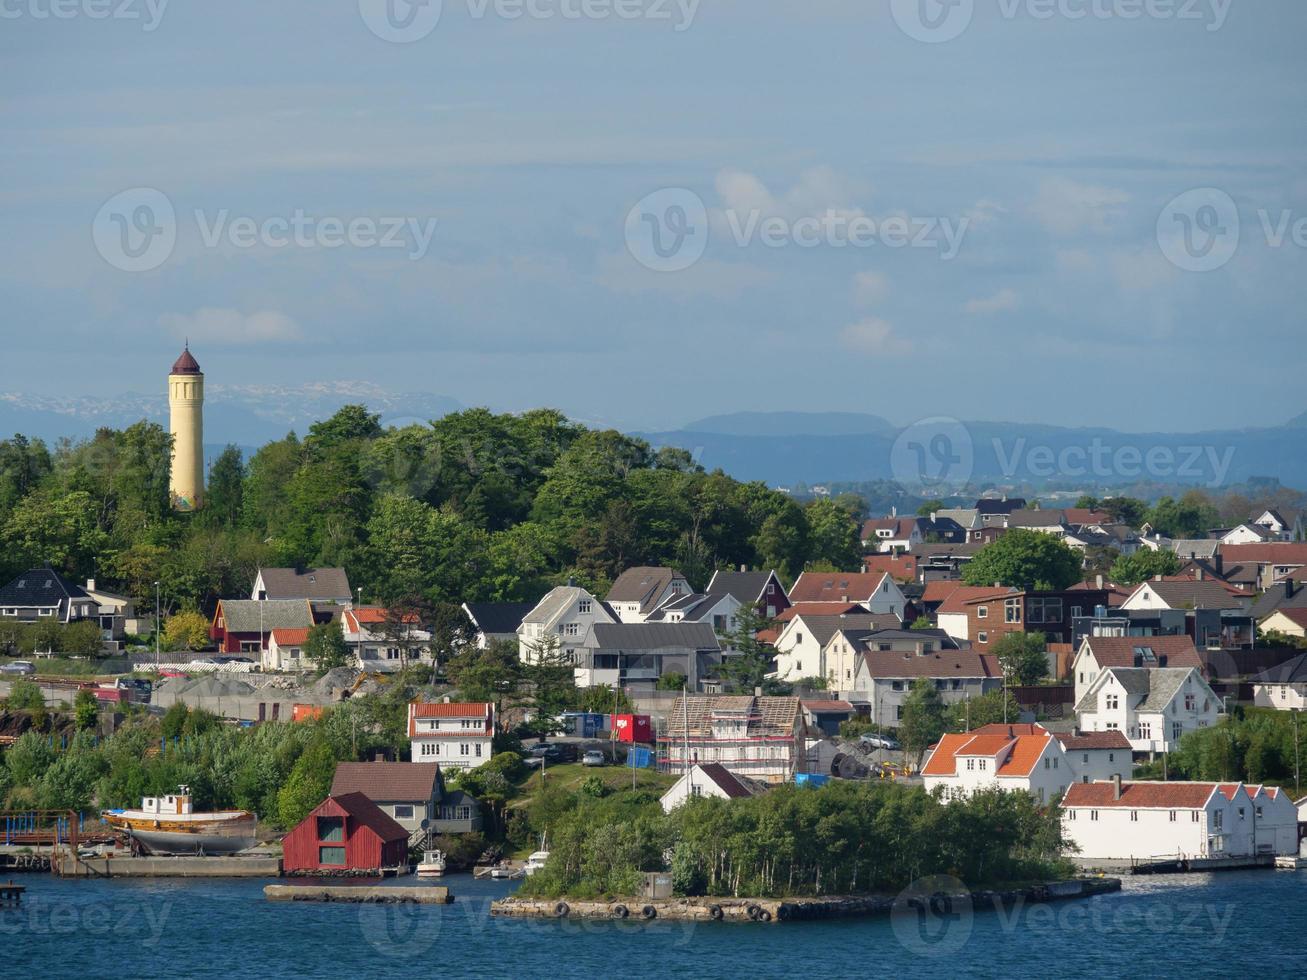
(156, 627)
(1297, 779)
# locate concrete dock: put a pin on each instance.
(363, 894)
(784, 910)
(127, 866)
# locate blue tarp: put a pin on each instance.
(810, 779)
(639, 758)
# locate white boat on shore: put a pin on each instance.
(169, 825)
(534, 863)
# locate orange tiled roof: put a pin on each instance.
(957, 599)
(290, 637)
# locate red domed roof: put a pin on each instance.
(186, 364)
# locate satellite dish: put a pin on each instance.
(425, 823)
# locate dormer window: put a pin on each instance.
(583, 606)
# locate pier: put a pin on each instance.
(69, 864)
(362, 894)
(11, 894)
(771, 910)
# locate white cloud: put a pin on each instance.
(213, 326)
(1003, 301)
(1142, 269)
(983, 212)
(873, 336)
(818, 190)
(870, 288)
(1066, 207)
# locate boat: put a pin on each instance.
(535, 862)
(505, 871)
(170, 825)
(432, 864)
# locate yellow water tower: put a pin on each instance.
(186, 422)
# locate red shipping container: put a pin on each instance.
(633, 728)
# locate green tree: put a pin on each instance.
(86, 710)
(1126, 510)
(1025, 559)
(1023, 656)
(224, 499)
(748, 660)
(922, 720)
(325, 647)
(24, 695)
(991, 708)
(308, 784)
(922, 623)
(490, 675)
(832, 534)
(930, 507)
(1143, 565)
(1192, 516)
(186, 630)
(82, 639)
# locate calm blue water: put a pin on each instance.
(1183, 926)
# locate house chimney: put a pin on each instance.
(1288, 588)
(1157, 578)
(445, 699)
(1098, 581)
(744, 568)
(934, 516)
(90, 585)
(1116, 786)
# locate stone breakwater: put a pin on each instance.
(790, 909)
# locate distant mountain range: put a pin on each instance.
(779, 448)
(247, 415)
(783, 449)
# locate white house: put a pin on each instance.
(803, 638)
(708, 779)
(381, 646)
(1123, 821)
(456, 735)
(1097, 653)
(285, 650)
(1153, 707)
(1033, 762)
(1290, 622)
(560, 621)
(842, 653)
(639, 591)
(762, 737)
(327, 585)
(891, 534)
(1284, 687)
(1248, 534)
(719, 610)
(1026, 757)
(1186, 593)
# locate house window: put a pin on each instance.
(1145, 730)
(1195, 817)
(430, 748)
(1173, 816)
(1012, 611)
(331, 856)
(1190, 702)
(896, 685)
(1093, 814)
(1134, 816)
(583, 606)
(1048, 763)
(478, 751)
(1085, 758)
(971, 765)
(331, 828)
(572, 629)
(1071, 814)
(771, 588)
(403, 811)
(1112, 702)
(1177, 730)
(1242, 814)
(982, 637)
(982, 612)
(465, 749)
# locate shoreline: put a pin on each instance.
(796, 909)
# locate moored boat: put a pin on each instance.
(170, 825)
(432, 864)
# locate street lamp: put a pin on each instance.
(156, 627)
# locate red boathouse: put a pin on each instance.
(345, 833)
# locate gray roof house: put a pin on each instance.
(639, 591)
(42, 593)
(316, 584)
(638, 654)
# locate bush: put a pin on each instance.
(24, 695)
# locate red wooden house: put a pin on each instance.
(246, 625)
(345, 833)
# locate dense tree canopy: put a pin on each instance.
(1025, 559)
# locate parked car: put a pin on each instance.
(594, 758)
(18, 667)
(543, 753)
(880, 742)
(175, 673)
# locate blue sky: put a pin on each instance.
(1054, 143)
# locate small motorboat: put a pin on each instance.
(432, 864)
(503, 871)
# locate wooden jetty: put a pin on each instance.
(783, 910)
(11, 894)
(361, 894)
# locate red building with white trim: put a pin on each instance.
(345, 833)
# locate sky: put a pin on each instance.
(642, 212)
